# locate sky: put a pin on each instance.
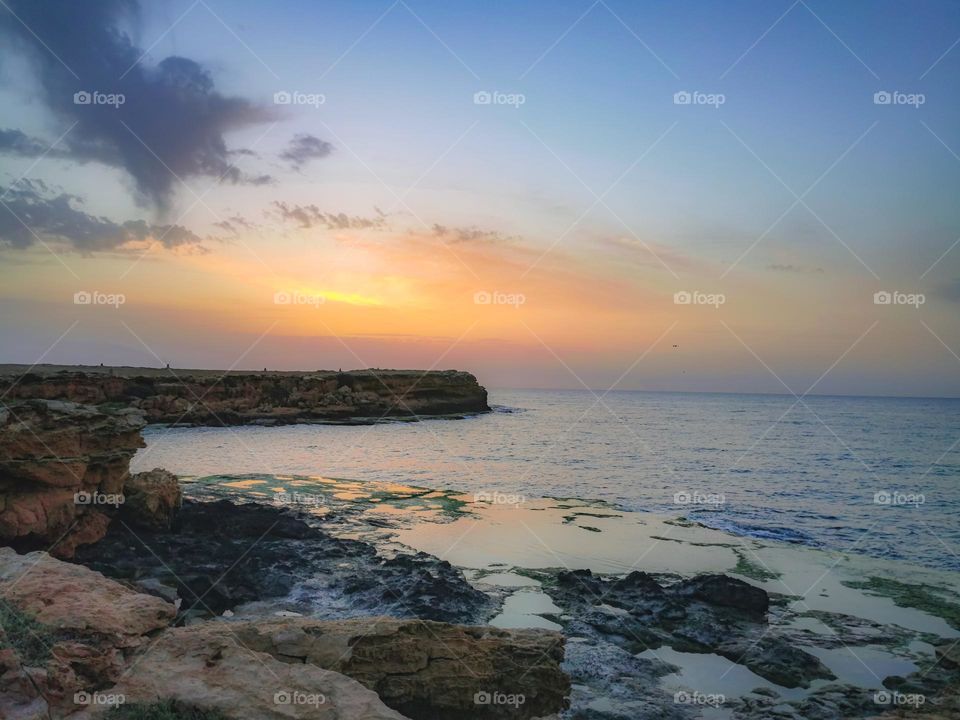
(693, 196)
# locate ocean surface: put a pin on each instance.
(877, 476)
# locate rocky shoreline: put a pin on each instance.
(214, 398)
(156, 605)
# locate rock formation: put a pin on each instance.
(62, 471)
(66, 630)
(151, 499)
(195, 397)
(706, 613)
(427, 670)
(219, 556)
(74, 642)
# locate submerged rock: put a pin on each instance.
(707, 613)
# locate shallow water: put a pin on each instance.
(759, 466)
(502, 550)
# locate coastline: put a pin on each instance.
(618, 614)
(835, 607)
(192, 398)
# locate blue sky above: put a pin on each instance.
(598, 166)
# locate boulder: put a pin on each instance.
(204, 666)
(428, 670)
(726, 591)
(69, 630)
(151, 499)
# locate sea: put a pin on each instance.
(874, 476)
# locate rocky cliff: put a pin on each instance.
(204, 397)
(63, 467)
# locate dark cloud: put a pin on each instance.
(171, 122)
(795, 269)
(308, 216)
(304, 148)
(30, 213)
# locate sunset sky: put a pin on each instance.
(368, 221)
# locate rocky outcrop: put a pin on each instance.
(151, 499)
(428, 670)
(197, 397)
(221, 556)
(707, 613)
(73, 642)
(62, 471)
(66, 630)
(206, 667)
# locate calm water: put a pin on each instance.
(752, 465)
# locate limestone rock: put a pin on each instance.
(428, 670)
(62, 470)
(88, 626)
(67, 596)
(236, 398)
(205, 666)
(151, 499)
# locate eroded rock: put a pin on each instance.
(151, 499)
(221, 556)
(428, 670)
(80, 630)
(206, 667)
(62, 471)
(707, 613)
(235, 398)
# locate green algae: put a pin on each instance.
(752, 570)
(919, 597)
